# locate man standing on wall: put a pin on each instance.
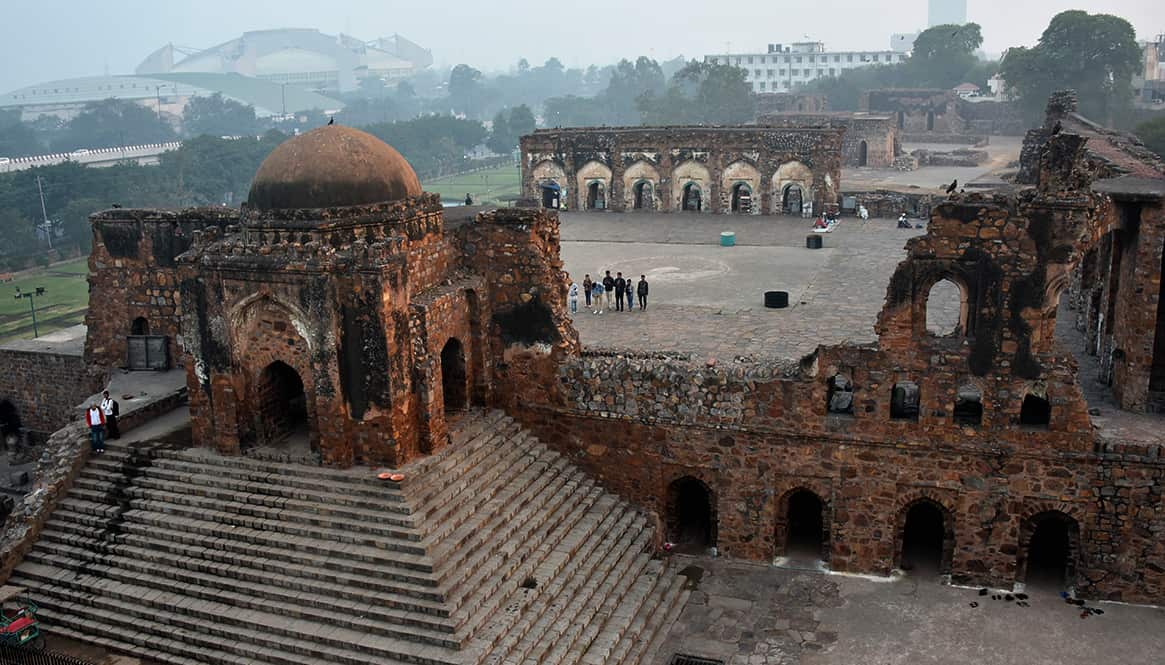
(95, 418)
(111, 410)
(608, 287)
(642, 291)
(620, 285)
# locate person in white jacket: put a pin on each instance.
(572, 297)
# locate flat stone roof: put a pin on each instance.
(65, 342)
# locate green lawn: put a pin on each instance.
(496, 185)
(63, 304)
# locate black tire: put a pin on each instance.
(776, 299)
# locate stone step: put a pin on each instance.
(283, 478)
(467, 439)
(216, 524)
(501, 532)
(606, 635)
(208, 644)
(645, 649)
(435, 495)
(140, 646)
(472, 488)
(590, 608)
(319, 500)
(625, 630)
(508, 565)
(262, 636)
(541, 474)
(594, 567)
(364, 614)
(176, 535)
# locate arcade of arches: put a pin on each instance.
(729, 170)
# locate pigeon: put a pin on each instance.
(953, 186)
(115, 205)
(1056, 128)
(332, 120)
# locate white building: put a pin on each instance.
(946, 12)
(784, 67)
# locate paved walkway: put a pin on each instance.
(754, 614)
(708, 300)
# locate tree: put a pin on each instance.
(464, 85)
(112, 123)
(17, 139)
(1153, 135)
(628, 83)
(522, 121)
(943, 55)
(500, 135)
(219, 116)
(1094, 54)
(74, 220)
(508, 127)
(702, 93)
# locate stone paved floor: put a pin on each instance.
(754, 614)
(708, 300)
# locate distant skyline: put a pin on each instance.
(54, 39)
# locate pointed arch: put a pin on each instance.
(593, 185)
(641, 186)
(688, 178)
(740, 183)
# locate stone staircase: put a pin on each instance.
(496, 551)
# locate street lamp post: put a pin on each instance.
(29, 295)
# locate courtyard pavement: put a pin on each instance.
(708, 301)
(753, 614)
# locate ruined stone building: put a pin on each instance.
(917, 111)
(870, 139)
(342, 319)
(748, 170)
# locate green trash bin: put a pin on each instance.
(727, 239)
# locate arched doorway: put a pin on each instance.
(453, 376)
(550, 195)
(693, 197)
(1035, 412)
(644, 196)
(140, 326)
(282, 404)
(927, 539)
(805, 526)
(690, 516)
(791, 200)
(1049, 550)
(9, 424)
(741, 198)
(863, 153)
(930, 121)
(596, 196)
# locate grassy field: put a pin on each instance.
(63, 304)
(496, 185)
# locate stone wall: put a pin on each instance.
(45, 386)
(700, 169)
(992, 118)
(869, 139)
(133, 274)
(917, 110)
(791, 102)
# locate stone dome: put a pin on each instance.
(329, 167)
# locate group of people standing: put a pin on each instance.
(611, 292)
(102, 421)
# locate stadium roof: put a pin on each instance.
(268, 97)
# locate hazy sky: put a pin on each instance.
(49, 39)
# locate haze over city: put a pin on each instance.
(62, 39)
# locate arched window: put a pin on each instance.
(968, 406)
(741, 198)
(945, 309)
(644, 197)
(596, 196)
(791, 202)
(140, 326)
(863, 153)
(904, 401)
(693, 199)
(840, 399)
(1035, 412)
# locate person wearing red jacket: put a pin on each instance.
(95, 418)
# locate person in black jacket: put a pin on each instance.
(608, 287)
(642, 291)
(620, 286)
